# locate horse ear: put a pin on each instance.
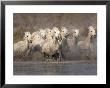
(91, 27)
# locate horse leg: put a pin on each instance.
(88, 53)
(60, 55)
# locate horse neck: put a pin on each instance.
(88, 38)
(49, 37)
(26, 41)
(74, 39)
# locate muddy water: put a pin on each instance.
(56, 68)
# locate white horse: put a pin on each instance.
(85, 45)
(72, 43)
(21, 47)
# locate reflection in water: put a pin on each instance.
(55, 68)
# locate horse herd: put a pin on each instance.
(49, 42)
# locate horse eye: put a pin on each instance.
(27, 36)
(91, 31)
